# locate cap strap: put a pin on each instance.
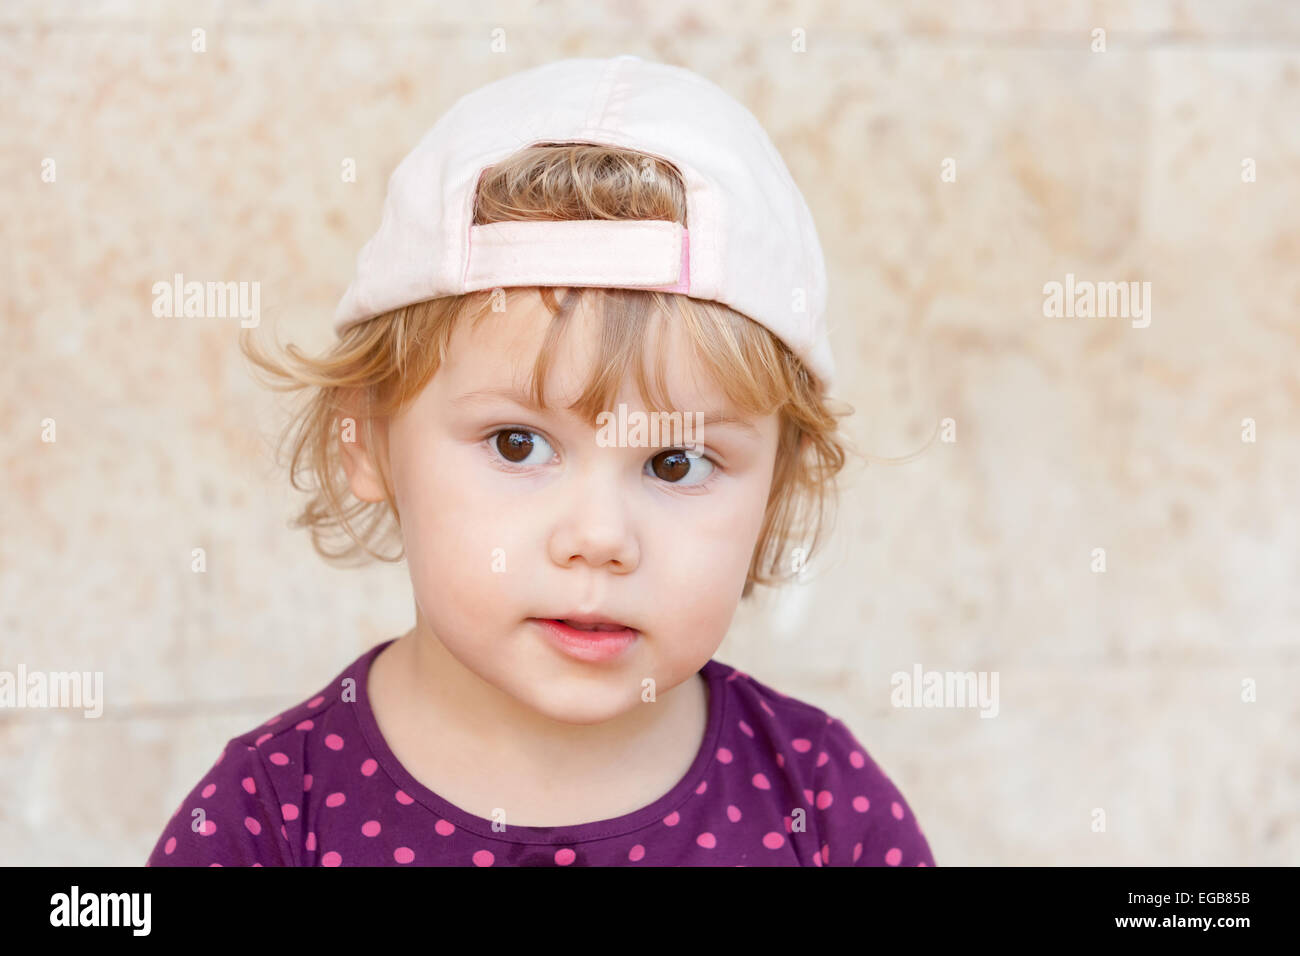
(651, 254)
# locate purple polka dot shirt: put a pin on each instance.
(776, 782)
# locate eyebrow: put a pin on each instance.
(486, 395)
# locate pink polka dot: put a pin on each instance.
(311, 842)
(704, 785)
(861, 804)
(894, 856)
(789, 824)
(257, 864)
(209, 790)
(896, 809)
(335, 799)
(707, 840)
(857, 852)
(334, 742)
(290, 811)
(724, 755)
(370, 828)
(857, 760)
(170, 846)
(443, 828)
(672, 818)
(304, 725)
(808, 795)
(272, 720)
(826, 854)
(369, 767)
(315, 701)
(773, 840)
(283, 832)
(214, 864)
(483, 858)
(209, 827)
(762, 703)
(306, 781)
(760, 781)
(403, 854)
(278, 759)
(331, 859)
(263, 739)
(824, 799)
(922, 863)
(636, 853)
(822, 757)
(565, 856)
(733, 813)
(253, 826)
(801, 744)
(745, 729)
(403, 799)
(249, 785)
(779, 758)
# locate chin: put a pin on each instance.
(583, 708)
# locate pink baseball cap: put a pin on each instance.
(749, 241)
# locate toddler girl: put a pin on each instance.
(582, 386)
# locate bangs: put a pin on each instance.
(727, 349)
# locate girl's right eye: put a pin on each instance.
(517, 445)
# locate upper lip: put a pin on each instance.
(591, 619)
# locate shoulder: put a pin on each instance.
(322, 724)
(231, 817)
(864, 817)
(860, 816)
(245, 810)
(761, 711)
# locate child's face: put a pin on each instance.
(568, 525)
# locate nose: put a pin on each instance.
(596, 526)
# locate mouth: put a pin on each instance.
(588, 640)
(591, 623)
(591, 628)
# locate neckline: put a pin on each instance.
(715, 678)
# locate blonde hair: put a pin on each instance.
(379, 365)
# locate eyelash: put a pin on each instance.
(494, 456)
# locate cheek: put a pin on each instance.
(460, 543)
(703, 562)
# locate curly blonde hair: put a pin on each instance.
(378, 366)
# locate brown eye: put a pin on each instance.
(515, 444)
(674, 465)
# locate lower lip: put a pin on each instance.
(588, 645)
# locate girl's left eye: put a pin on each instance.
(517, 445)
(676, 462)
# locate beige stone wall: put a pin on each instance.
(1119, 691)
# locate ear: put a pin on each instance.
(360, 461)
